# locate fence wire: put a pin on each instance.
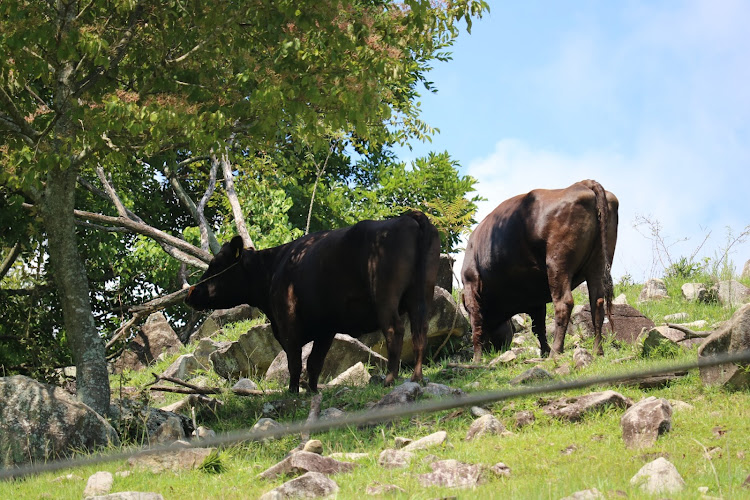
(378, 416)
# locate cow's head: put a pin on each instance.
(223, 284)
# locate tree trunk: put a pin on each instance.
(92, 380)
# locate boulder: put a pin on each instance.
(672, 318)
(304, 461)
(653, 289)
(452, 474)
(504, 358)
(221, 317)
(99, 483)
(746, 271)
(620, 300)
(445, 272)
(183, 367)
(393, 459)
(250, 356)
(656, 337)
(732, 293)
(40, 422)
(379, 490)
(153, 339)
(446, 320)
(140, 422)
(658, 478)
(486, 424)
(205, 347)
(309, 485)
(523, 418)
(645, 421)
(590, 494)
(356, 376)
(245, 384)
(266, 424)
(431, 441)
(532, 376)
(695, 291)
(628, 322)
(732, 337)
(582, 358)
(168, 432)
(344, 353)
(173, 460)
(408, 392)
(129, 495)
(500, 470)
(440, 390)
(573, 409)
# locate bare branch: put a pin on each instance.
(113, 195)
(689, 334)
(9, 259)
(102, 228)
(318, 174)
(239, 218)
(146, 230)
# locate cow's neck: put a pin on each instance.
(259, 265)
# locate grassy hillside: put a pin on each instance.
(709, 444)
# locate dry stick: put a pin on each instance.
(214, 390)
(145, 309)
(312, 417)
(239, 218)
(690, 334)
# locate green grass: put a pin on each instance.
(539, 466)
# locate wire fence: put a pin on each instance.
(379, 416)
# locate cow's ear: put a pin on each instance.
(236, 246)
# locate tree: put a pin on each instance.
(128, 90)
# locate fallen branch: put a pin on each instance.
(212, 390)
(690, 334)
(143, 310)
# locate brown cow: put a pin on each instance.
(536, 248)
(352, 280)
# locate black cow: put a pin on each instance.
(352, 280)
(536, 248)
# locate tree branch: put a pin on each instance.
(239, 218)
(16, 117)
(9, 259)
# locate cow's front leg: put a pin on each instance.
(294, 362)
(394, 340)
(320, 348)
(539, 328)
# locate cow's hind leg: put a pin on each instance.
(473, 307)
(418, 320)
(315, 361)
(294, 362)
(562, 299)
(596, 300)
(539, 327)
(393, 330)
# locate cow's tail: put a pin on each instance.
(602, 210)
(428, 250)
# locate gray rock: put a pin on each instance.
(405, 393)
(349, 456)
(250, 355)
(591, 494)
(531, 376)
(681, 316)
(446, 320)
(39, 422)
(658, 477)
(345, 352)
(266, 424)
(99, 483)
(331, 413)
(478, 411)
(399, 442)
(379, 489)
(746, 271)
(183, 367)
(203, 433)
(445, 272)
(645, 421)
(678, 405)
(628, 322)
(657, 337)
(169, 431)
(504, 358)
(136, 421)
(487, 424)
(314, 446)
(732, 292)
(440, 390)
(129, 495)
(524, 418)
(222, 317)
(205, 348)
(433, 440)
(500, 470)
(245, 384)
(392, 459)
(653, 289)
(304, 461)
(172, 460)
(573, 409)
(620, 300)
(309, 485)
(356, 376)
(154, 338)
(732, 337)
(582, 357)
(694, 292)
(452, 474)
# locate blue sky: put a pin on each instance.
(650, 98)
